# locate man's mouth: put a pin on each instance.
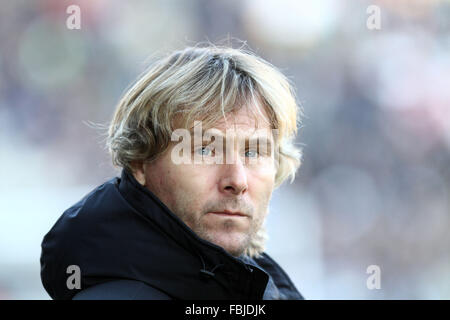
(229, 213)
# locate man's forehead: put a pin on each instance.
(241, 127)
(241, 123)
(245, 116)
(248, 118)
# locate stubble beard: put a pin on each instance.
(195, 223)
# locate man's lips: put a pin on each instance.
(229, 213)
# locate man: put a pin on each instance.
(203, 138)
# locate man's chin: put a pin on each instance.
(234, 243)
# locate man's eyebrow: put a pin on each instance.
(219, 133)
(261, 139)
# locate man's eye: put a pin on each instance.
(251, 153)
(204, 151)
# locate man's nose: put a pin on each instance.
(234, 178)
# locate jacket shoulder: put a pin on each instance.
(121, 290)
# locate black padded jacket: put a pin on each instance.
(128, 245)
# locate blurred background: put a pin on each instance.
(375, 181)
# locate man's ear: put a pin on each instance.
(138, 171)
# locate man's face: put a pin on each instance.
(226, 203)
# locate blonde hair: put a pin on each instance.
(203, 83)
